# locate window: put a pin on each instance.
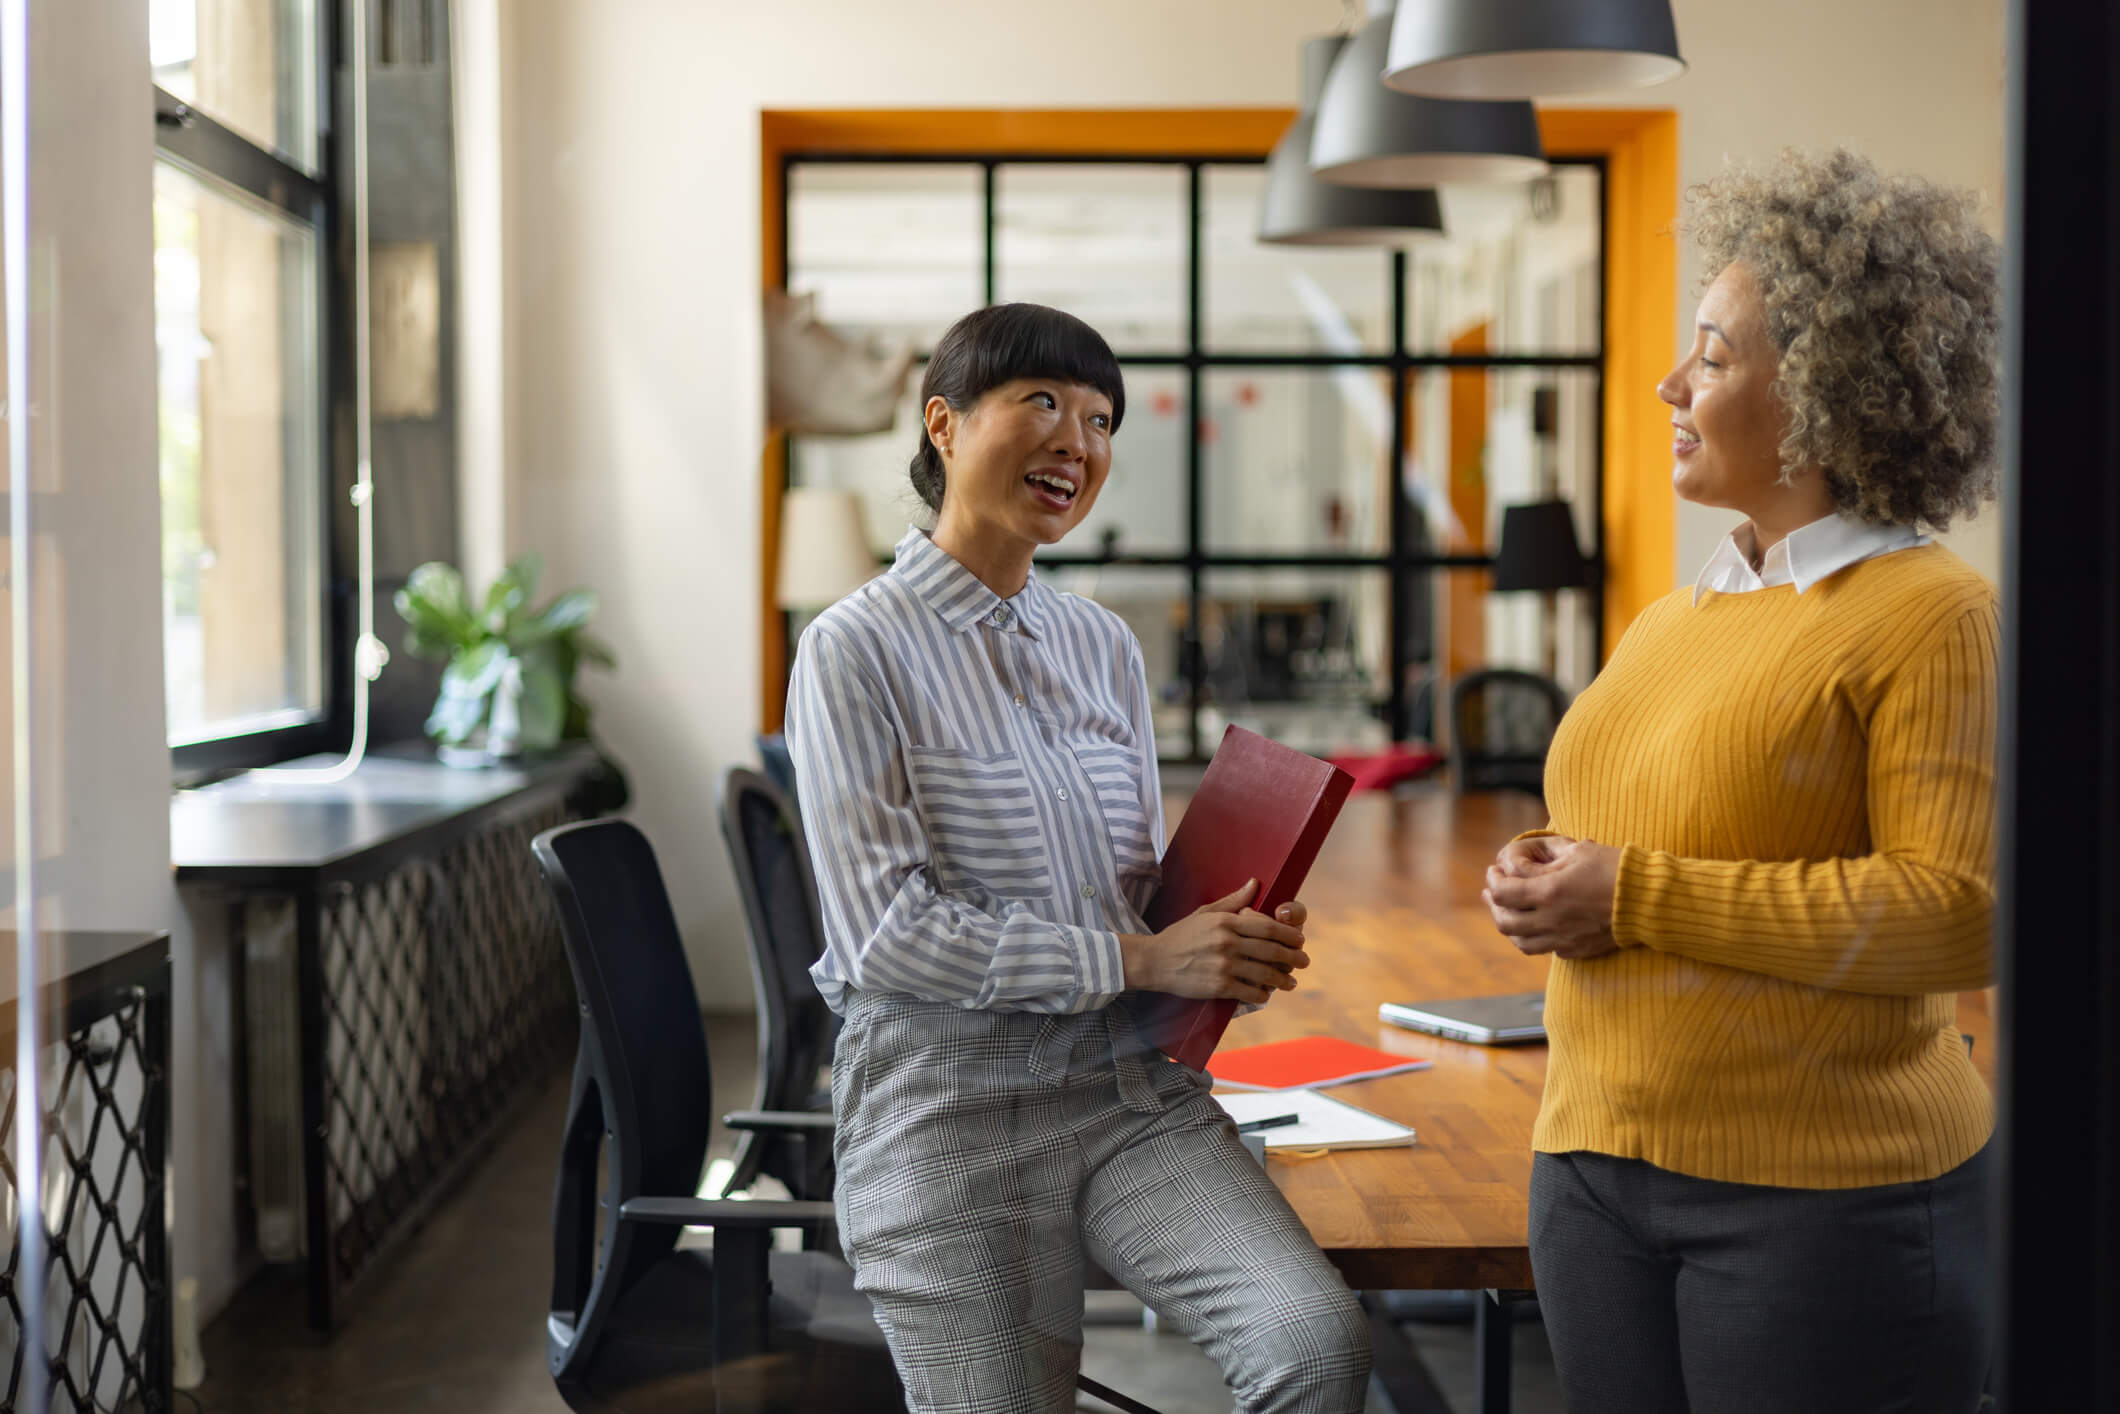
(241, 220)
(1319, 442)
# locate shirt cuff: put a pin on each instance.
(1100, 968)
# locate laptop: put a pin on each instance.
(1485, 1021)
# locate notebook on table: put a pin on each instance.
(1309, 1063)
(1262, 812)
(1321, 1122)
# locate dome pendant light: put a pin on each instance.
(1530, 48)
(1299, 209)
(1368, 136)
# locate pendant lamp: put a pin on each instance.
(1299, 209)
(1368, 136)
(1530, 48)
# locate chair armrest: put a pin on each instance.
(724, 1212)
(814, 1120)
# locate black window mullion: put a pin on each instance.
(1195, 470)
(991, 284)
(1395, 593)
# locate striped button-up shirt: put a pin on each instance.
(979, 789)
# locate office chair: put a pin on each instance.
(796, 1029)
(1501, 722)
(635, 1323)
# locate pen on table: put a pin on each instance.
(1253, 1126)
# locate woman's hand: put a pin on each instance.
(1221, 950)
(1551, 894)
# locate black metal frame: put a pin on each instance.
(2058, 1202)
(194, 141)
(1401, 561)
(98, 1015)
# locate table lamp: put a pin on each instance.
(1539, 552)
(824, 548)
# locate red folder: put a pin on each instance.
(1262, 812)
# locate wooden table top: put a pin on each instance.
(1396, 916)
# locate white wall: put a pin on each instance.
(631, 230)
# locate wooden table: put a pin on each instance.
(1395, 915)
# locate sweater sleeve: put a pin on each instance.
(885, 920)
(1912, 916)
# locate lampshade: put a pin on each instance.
(1299, 209)
(824, 548)
(1539, 549)
(1367, 136)
(1530, 48)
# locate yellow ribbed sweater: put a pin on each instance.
(1804, 788)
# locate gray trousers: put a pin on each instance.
(982, 1153)
(1664, 1294)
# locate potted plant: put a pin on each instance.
(509, 684)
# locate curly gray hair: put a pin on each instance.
(1883, 296)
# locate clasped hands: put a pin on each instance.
(1551, 895)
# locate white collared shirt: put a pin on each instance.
(1803, 557)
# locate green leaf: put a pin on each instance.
(433, 600)
(422, 640)
(593, 650)
(503, 598)
(543, 706)
(524, 572)
(570, 611)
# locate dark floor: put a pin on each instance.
(455, 1324)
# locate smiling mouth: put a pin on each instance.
(1053, 485)
(1682, 440)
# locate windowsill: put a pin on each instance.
(252, 829)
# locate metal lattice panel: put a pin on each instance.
(103, 1208)
(445, 997)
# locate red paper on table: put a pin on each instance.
(1262, 812)
(1306, 1064)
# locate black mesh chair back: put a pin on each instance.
(632, 1314)
(796, 1029)
(1501, 722)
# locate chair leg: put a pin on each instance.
(741, 1285)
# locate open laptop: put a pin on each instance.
(1485, 1021)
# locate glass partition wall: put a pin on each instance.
(1307, 490)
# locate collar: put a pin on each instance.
(1807, 555)
(958, 597)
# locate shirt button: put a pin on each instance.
(1062, 792)
(1019, 700)
(1001, 617)
(1089, 891)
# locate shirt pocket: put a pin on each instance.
(1114, 773)
(984, 836)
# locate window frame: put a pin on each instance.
(194, 142)
(1400, 561)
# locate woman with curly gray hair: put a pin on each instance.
(1761, 1166)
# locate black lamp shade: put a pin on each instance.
(1299, 209)
(1539, 549)
(1496, 49)
(1365, 135)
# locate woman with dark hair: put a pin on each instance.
(980, 793)
(1761, 1176)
